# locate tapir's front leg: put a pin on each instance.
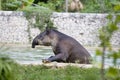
(46, 60)
(61, 55)
(59, 58)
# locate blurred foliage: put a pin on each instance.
(56, 5)
(15, 4)
(0, 5)
(113, 74)
(94, 6)
(36, 1)
(6, 71)
(99, 6)
(115, 55)
(105, 35)
(38, 72)
(38, 16)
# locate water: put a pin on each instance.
(28, 55)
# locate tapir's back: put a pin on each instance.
(77, 53)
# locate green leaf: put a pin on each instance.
(114, 55)
(98, 52)
(11, 5)
(109, 17)
(27, 2)
(40, 14)
(117, 8)
(112, 27)
(31, 1)
(101, 34)
(117, 20)
(112, 72)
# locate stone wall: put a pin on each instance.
(81, 26)
(14, 28)
(84, 27)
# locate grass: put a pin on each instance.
(13, 71)
(38, 72)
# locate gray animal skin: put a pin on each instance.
(65, 48)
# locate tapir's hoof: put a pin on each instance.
(45, 61)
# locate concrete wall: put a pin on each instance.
(81, 26)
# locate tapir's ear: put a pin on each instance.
(47, 30)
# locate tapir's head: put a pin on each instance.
(45, 38)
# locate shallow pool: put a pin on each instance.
(28, 55)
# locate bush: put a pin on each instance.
(38, 16)
(6, 71)
(98, 6)
(56, 5)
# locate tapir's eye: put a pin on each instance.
(42, 35)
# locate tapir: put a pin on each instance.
(66, 49)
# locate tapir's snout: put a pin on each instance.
(34, 43)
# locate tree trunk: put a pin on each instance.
(103, 63)
(66, 5)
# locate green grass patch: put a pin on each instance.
(9, 70)
(38, 72)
